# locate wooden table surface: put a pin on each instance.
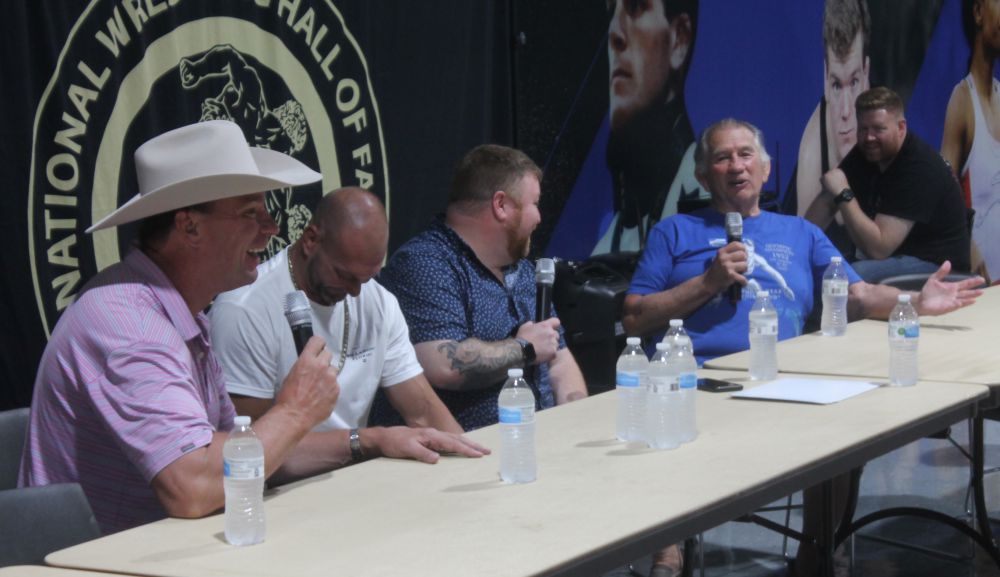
(597, 504)
(962, 346)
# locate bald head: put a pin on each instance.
(342, 247)
(353, 214)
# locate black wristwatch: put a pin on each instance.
(527, 351)
(846, 195)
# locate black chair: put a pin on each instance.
(13, 427)
(36, 521)
(589, 297)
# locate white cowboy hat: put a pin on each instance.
(200, 163)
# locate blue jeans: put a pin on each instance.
(875, 271)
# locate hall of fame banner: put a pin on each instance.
(288, 72)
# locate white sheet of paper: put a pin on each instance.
(817, 391)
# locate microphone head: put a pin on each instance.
(734, 224)
(297, 309)
(545, 271)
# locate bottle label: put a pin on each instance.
(246, 469)
(516, 415)
(763, 328)
(624, 379)
(835, 288)
(905, 332)
(661, 385)
(688, 380)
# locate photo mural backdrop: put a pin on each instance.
(389, 94)
(622, 158)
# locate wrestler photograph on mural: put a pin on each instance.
(832, 129)
(971, 140)
(650, 46)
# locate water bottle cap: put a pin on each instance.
(903, 298)
(634, 341)
(662, 346)
(515, 373)
(676, 322)
(836, 259)
(241, 421)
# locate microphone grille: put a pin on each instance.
(734, 222)
(545, 271)
(297, 308)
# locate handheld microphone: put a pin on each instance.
(545, 277)
(734, 233)
(298, 313)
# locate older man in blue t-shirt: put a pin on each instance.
(688, 265)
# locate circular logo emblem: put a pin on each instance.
(289, 73)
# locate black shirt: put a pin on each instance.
(917, 186)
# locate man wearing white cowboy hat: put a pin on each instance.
(129, 401)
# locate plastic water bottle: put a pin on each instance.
(682, 357)
(663, 408)
(834, 321)
(243, 481)
(904, 333)
(516, 407)
(630, 380)
(675, 325)
(763, 339)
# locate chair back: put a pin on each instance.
(13, 428)
(39, 520)
(589, 298)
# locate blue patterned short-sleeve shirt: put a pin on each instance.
(446, 293)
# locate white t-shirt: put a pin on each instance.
(254, 343)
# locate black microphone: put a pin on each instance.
(298, 313)
(545, 277)
(734, 233)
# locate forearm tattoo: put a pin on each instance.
(481, 364)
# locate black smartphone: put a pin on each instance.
(717, 386)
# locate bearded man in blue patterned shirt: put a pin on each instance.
(468, 292)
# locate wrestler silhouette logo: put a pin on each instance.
(757, 265)
(241, 98)
(291, 75)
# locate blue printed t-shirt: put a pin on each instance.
(446, 293)
(787, 257)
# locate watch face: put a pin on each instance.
(527, 351)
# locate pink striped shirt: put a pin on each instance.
(127, 384)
